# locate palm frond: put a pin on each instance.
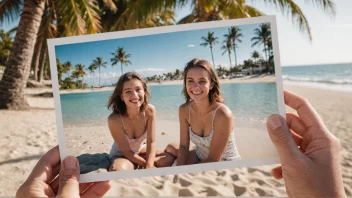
(90, 12)
(10, 10)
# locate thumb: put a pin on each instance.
(281, 136)
(69, 177)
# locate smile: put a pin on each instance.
(196, 93)
(135, 101)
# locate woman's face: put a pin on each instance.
(198, 84)
(133, 93)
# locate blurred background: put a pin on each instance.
(315, 52)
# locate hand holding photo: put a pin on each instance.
(186, 98)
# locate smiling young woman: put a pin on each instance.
(204, 119)
(132, 126)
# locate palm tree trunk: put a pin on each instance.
(36, 56)
(99, 76)
(211, 50)
(17, 70)
(121, 69)
(234, 52)
(230, 59)
(42, 63)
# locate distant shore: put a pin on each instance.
(247, 79)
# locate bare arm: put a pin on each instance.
(184, 136)
(151, 150)
(223, 125)
(120, 139)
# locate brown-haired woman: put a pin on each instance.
(204, 119)
(132, 126)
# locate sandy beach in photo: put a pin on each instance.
(31, 133)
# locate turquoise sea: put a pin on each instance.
(330, 76)
(251, 102)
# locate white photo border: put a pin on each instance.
(93, 177)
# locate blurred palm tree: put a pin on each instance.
(133, 14)
(210, 10)
(5, 45)
(97, 63)
(234, 34)
(42, 19)
(227, 47)
(210, 40)
(262, 35)
(17, 68)
(120, 56)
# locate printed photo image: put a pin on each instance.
(168, 100)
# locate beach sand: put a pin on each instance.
(26, 135)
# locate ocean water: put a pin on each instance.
(333, 76)
(248, 102)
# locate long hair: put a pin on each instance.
(214, 94)
(115, 102)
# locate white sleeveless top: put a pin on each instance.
(203, 143)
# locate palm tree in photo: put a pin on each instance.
(120, 56)
(234, 35)
(66, 68)
(255, 55)
(227, 47)
(97, 63)
(79, 72)
(210, 40)
(262, 34)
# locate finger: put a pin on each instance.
(69, 177)
(304, 109)
(43, 170)
(297, 138)
(295, 123)
(277, 172)
(54, 185)
(84, 186)
(282, 138)
(98, 189)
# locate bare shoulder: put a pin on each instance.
(113, 118)
(183, 109)
(150, 110)
(224, 112)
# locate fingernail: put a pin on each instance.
(275, 122)
(70, 162)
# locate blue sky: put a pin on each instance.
(160, 53)
(332, 41)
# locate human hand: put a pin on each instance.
(43, 181)
(309, 153)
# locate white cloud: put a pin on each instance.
(150, 71)
(104, 75)
(190, 45)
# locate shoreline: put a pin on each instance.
(247, 79)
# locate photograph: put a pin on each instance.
(168, 100)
